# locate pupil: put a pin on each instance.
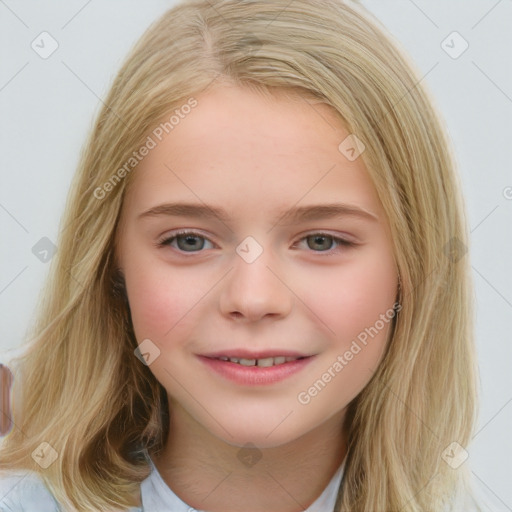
(190, 242)
(319, 239)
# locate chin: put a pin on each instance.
(259, 440)
(265, 433)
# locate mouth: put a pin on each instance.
(254, 369)
(264, 362)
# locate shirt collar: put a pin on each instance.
(157, 496)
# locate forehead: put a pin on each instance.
(247, 149)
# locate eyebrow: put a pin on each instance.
(293, 215)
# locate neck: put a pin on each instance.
(209, 474)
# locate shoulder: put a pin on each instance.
(25, 491)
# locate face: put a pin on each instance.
(298, 263)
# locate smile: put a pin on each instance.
(256, 372)
(262, 363)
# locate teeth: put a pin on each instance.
(247, 362)
(262, 363)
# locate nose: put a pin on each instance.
(255, 290)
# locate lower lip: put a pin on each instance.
(255, 375)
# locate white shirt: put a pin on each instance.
(158, 497)
(24, 491)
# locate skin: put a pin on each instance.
(256, 156)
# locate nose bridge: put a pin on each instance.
(252, 289)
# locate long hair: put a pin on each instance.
(80, 388)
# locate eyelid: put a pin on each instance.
(161, 242)
(346, 237)
(344, 241)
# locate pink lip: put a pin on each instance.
(247, 354)
(254, 375)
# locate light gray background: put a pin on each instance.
(47, 107)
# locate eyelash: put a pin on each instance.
(166, 241)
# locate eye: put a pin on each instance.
(186, 241)
(323, 242)
(191, 241)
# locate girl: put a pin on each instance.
(261, 298)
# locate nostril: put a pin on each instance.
(6, 379)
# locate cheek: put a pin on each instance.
(160, 301)
(355, 303)
(353, 297)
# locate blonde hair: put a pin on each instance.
(85, 393)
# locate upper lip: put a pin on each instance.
(247, 354)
